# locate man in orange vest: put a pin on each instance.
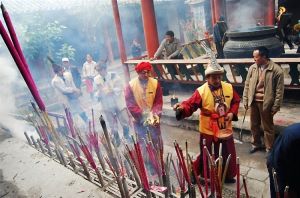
(219, 105)
(143, 98)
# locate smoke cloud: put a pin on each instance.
(10, 80)
(245, 14)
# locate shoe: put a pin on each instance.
(230, 180)
(254, 149)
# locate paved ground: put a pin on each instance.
(25, 172)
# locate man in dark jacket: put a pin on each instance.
(285, 160)
(219, 31)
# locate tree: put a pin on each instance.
(66, 50)
(40, 40)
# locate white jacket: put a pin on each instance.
(89, 70)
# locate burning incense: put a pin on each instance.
(18, 60)
(286, 192)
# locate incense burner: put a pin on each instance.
(242, 42)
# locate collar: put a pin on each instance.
(212, 88)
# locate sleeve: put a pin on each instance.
(62, 87)
(84, 70)
(160, 49)
(246, 87)
(234, 105)
(158, 101)
(279, 90)
(131, 104)
(191, 105)
(178, 48)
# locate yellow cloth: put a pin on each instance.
(208, 107)
(144, 96)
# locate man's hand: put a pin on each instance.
(177, 106)
(179, 111)
(229, 117)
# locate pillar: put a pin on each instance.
(120, 38)
(270, 12)
(150, 29)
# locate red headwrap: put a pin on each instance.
(143, 66)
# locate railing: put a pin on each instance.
(191, 71)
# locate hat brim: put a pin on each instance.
(210, 71)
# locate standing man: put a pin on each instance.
(219, 105)
(88, 73)
(263, 93)
(143, 98)
(171, 47)
(285, 160)
(109, 90)
(219, 32)
(73, 70)
(66, 88)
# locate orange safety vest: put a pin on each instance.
(144, 97)
(208, 108)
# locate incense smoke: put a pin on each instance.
(245, 14)
(9, 81)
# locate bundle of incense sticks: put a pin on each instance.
(113, 159)
(135, 157)
(213, 166)
(93, 139)
(15, 50)
(155, 157)
(195, 176)
(89, 158)
(58, 143)
(78, 157)
(182, 163)
(70, 122)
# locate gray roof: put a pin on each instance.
(28, 6)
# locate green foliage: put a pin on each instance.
(40, 39)
(66, 50)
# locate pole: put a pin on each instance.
(270, 12)
(120, 38)
(150, 28)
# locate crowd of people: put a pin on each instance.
(140, 102)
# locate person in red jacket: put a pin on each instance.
(219, 104)
(143, 96)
